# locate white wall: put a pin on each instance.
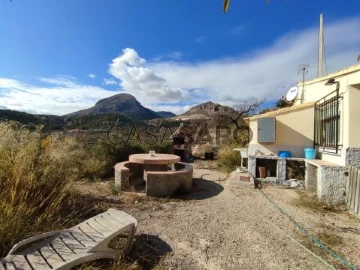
(349, 90)
(294, 132)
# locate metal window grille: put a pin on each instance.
(327, 122)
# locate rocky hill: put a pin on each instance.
(165, 114)
(124, 104)
(205, 111)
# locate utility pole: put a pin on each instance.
(321, 46)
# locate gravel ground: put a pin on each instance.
(227, 224)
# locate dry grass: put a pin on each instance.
(131, 198)
(326, 233)
(36, 177)
(330, 238)
(310, 201)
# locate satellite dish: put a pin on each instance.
(292, 93)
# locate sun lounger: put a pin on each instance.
(64, 249)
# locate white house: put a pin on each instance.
(326, 117)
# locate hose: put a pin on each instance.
(313, 238)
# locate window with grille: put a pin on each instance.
(327, 123)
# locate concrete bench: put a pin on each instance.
(166, 183)
(159, 182)
(126, 174)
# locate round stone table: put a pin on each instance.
(164, 174)
(157, 159)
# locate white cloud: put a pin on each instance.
(92, 76)
(268, 72)
(265, 73)
(59, 96)
(66, 81)
(142, 82)
(110, 82)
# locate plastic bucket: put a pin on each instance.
(310, 153)
(284, 154)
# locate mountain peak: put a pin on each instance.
(205, 110)
(122, 98)
(123, 103)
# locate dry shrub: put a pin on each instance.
(36, 176)
(199, 150)
(228, 158)
(37, 173)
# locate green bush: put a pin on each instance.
(228, 158)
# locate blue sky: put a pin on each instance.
(57, 57)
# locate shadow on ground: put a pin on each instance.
(201, 190)
(147, 250)
(146, 253)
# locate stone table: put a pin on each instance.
(156, 162)
(161, 180)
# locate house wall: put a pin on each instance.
(353, 117)
(349, 90)
(294, 132)
(316, 89)
(295, 129)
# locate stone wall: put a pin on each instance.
(327, 179)
(353, 157)
(281, 170)
(331, 186)
(252, 166)
(311, 176)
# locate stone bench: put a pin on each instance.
(126, 174)
(159, 183)
(166, 183)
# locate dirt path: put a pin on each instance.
(230, 225)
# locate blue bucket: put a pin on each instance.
(284, 154)
(310, 153)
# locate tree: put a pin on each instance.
(235, 116)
